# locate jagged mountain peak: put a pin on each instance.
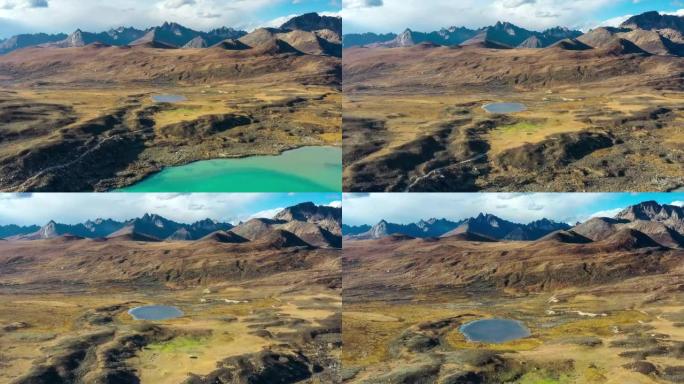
(653, 20)
(312, 22)
(652, 210)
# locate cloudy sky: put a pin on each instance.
(519, 207)
(72, 208)
(26, 16)
(430, 15)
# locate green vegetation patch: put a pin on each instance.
(598, 326)
(523, 127)
(182, 344)
(544, 376)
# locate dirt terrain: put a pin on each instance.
(603, 119)
(83, 118)
(253, 311)
(606, 311)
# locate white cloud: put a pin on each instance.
(265, 214)
(517, 3)
(613, 22)
(606, 213)
(12, 4)
(679, 12)
(678, 203)
(361, 3)
(36, 3)
(175, 4)
(429, 15)
(335, 204)
(100, 15)
(519, 207)
(39, 208)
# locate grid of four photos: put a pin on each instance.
(341, 191)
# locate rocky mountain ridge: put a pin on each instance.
(645, 224)
(308, 33)
(303, 224)
(485, 225)
(504, 33)
(650, 33)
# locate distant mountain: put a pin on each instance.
(483, 226)
(294, 41)
(649, 33)
(161, 228)
(148, 226)
(15, 230)
(423, 229)
(670, 215)
(496, 228)
(654, 21)
(307, 223)
(664, 224)
(311, 22)
(500, 34)
(358, 39)
(329, 218)
(168, 34)
(28, 40)
(172, 34)
(316, 225)
(351, 230)
(306, 34)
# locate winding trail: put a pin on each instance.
(436, 171)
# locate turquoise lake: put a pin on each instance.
(307, 169)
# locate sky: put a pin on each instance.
(430, 15)
(517, 207)
(73, 208)
(52, 16)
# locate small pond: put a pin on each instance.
(494, 330)
(168, 98)
(155, 312)
(504, 107)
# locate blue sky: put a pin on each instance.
(429, 15)
(518, 207)
(71, 208)
(27, 16)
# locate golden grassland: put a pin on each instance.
(210, 330)
(558, 110)
(371, 327)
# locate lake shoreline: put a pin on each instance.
(132, 182)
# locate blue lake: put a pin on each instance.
(504, 107)
(494, 330)
(155, 312)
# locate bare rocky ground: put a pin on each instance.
(595, 121)
(253, 310)
(92, 125)
(595, 316)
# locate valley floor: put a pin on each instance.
(589, 123)
(592, 336)
(60, 138)
(87, 332)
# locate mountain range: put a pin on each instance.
(502, 33)
(312, 32)
(648, 224)
(638, 249)
(303, 224)
(484, 225)
(648, 33)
